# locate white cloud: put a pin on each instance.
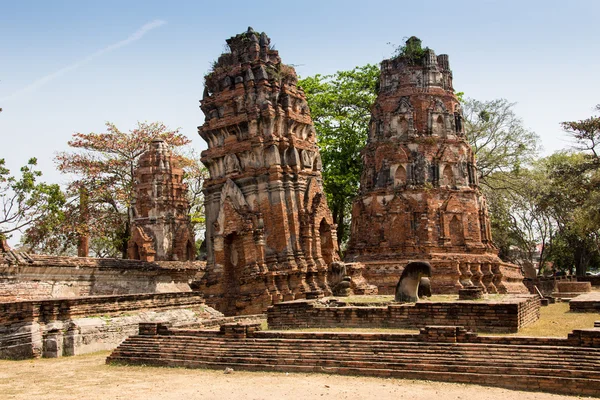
(137, 35)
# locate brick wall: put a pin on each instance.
(573, 287)
(594, 280)
(64, 309)
(509, 315)
(52, 328)
(588, 302)
(31, 277)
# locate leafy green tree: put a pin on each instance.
(499, 140)
(24, 200)
(569, 199)
(340, 106)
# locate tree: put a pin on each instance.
(569, 198)
(24, 200)
(340, 106)
(194, 175)
(103, 164)
(523, 228)
(498, 139)
(586, 134)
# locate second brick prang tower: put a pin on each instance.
(419, 196)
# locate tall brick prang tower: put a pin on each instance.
(419, 196)
(269, 233)
(161, 228)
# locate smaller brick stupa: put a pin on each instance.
(161, 228)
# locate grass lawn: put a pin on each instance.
(557, 321)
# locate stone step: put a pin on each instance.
(415, 358)
(541, 351)
(542, 369)
(550, 383)
(309, 342)
(524, 357)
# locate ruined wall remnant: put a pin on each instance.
(161, 228)
(25, 276)
(270, 235)
(419, 196)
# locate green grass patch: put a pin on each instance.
(557, 321)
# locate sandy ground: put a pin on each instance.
(87, 377)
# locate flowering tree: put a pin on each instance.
(102, 166)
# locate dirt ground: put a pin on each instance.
(87, 377)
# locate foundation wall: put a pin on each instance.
(54, 328)
(44, 277)
(507, 316)
(450, 274)
(589, 302)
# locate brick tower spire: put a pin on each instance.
(419, 196)
(270, 235)
(161, 229)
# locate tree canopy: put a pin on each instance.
(498, 138)
(340, 106)
(24, 200)
(102, 168)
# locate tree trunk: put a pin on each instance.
(125, 241)
(338, 217)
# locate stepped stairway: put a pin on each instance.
(557, 369)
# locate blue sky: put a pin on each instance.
(543, 55)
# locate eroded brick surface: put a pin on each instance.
(419, 197)
(270, 235)
(161, 228)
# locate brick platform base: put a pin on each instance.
(505, 315)
(589, 302)
(567, 366)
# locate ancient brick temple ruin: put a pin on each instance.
(161, 229)
(270, 235)
(419, 196)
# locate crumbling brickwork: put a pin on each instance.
(270, 235)
(161, 228)
(419, 196)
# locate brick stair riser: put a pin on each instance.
(399, 349)
(541, 370)
(524, 382)
(370, 356)
(460, 358)
(456, 349)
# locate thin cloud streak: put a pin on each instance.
(137, 35)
